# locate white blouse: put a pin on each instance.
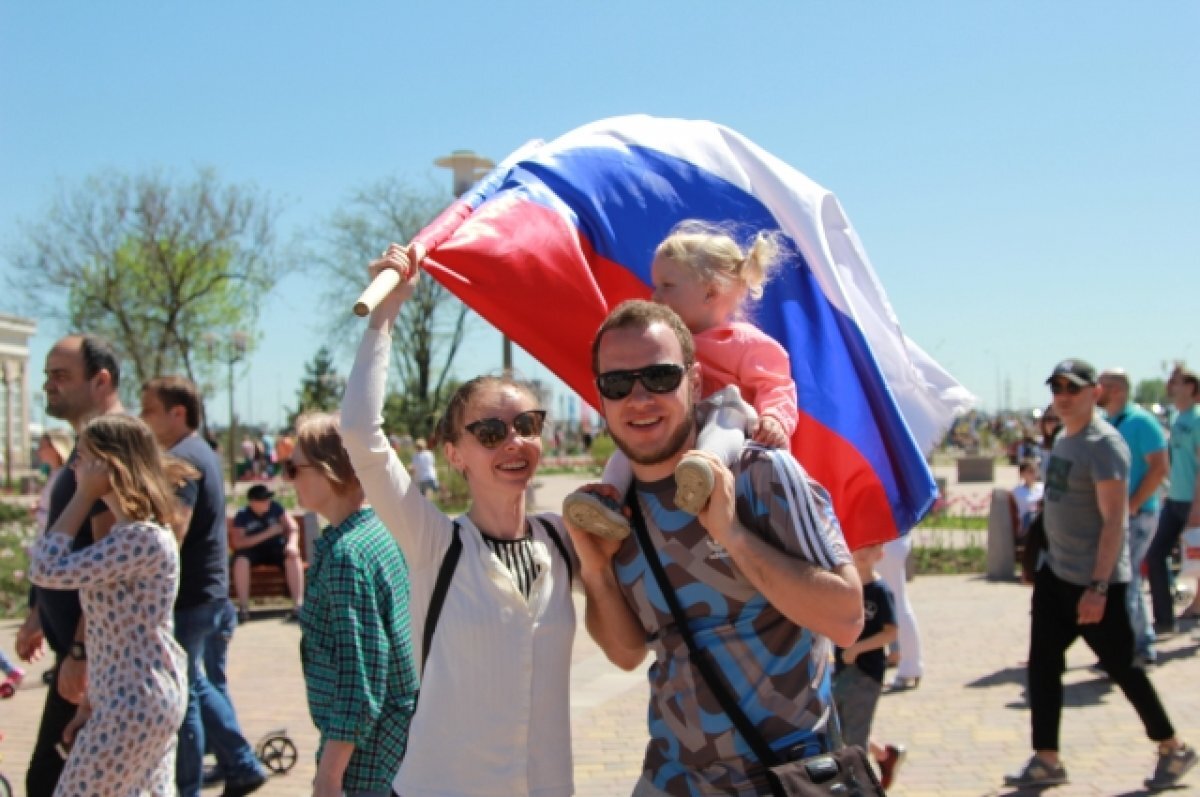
(493, 716)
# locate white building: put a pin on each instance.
(15, 443)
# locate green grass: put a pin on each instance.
(943, 561)
(946, 521)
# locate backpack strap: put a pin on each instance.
(440, 588)
(552, 533)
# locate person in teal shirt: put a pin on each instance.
(1148, 467)
(1180, 510)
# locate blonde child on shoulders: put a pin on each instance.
(702, 273)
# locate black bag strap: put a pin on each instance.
(552, 533)
(440, 588)
(697, 655)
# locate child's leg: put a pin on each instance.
(726, 422)
(618, 473)
(598, 514)
(856, 694)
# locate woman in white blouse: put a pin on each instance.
(493, 715)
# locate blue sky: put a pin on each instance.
(1023, 175)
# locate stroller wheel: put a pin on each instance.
(278, 753)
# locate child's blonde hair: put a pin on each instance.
(142, 477)
(716, 257)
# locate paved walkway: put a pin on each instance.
(965, 726)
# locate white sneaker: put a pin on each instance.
(693, 483)
(596, 514)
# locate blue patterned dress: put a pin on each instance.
(137, 674)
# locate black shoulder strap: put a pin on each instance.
(558, 543)
(698, 656)
(440, 587)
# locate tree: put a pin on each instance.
(321, 389)
(430, 328)
(152, 263)
(1150, 391)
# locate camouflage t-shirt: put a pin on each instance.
(778, 671)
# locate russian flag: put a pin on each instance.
(561, 232)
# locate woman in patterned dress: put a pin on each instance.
(123, 735)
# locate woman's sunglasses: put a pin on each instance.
(616, 385)
(492, 432)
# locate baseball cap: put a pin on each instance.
(259, 492)
(1079, 372)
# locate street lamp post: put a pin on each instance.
(230, 352)
(467, 167)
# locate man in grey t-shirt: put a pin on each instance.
(1080, 588)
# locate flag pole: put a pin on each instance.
(442, 227)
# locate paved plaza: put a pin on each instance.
(964, 727)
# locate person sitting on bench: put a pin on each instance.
(265, 534)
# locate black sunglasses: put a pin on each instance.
(662, 378)
(491, 432)
(1070, 387)
(290, 469)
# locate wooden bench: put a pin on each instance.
(269, 581)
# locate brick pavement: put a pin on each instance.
(965, 726)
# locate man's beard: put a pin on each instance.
(60, 408)
(670, 448)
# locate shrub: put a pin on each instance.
(14, 566)
(602, 448)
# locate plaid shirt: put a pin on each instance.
(357, 648)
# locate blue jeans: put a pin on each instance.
(209, 710)
(216, 652)
(1141, 533)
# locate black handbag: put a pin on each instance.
(845, 772)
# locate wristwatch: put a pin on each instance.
(77, 651)
(1099, 586)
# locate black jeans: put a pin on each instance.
(1171, 522)
(1054, 628)
(46, 765)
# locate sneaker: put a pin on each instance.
(1171, 768)
(596, 514)
(889, 762)
(904, 684)
(293, 616)
(693, 484)
(243, 616)
(213, 776)
(240, 788)
(15, 676)
(1037, 773)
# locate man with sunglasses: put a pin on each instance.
(762, 573)
(1080, 588)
